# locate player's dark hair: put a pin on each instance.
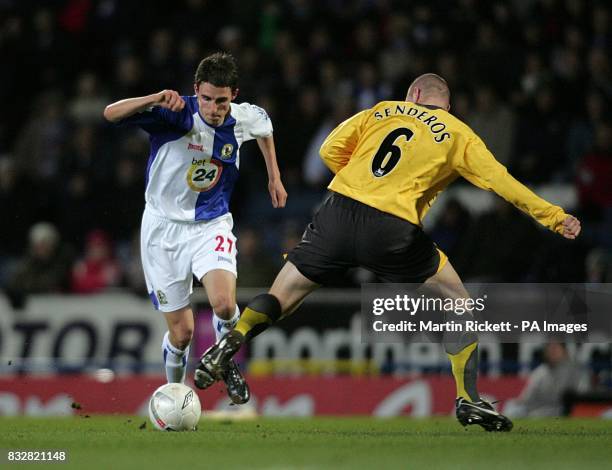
(219, 69)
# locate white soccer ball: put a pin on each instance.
(174, 407)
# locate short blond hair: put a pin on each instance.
(430, 84)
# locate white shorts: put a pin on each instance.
(172, 252)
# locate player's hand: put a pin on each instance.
(277, 193)
(171, 100)
(571, 227)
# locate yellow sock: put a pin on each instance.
(261, 312)
(459, 362)
(250, 319)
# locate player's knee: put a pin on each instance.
(181, 336)
(224, 306)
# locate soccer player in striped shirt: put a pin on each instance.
(187, 227)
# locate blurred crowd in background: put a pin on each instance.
(532, 78)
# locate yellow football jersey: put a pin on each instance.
(397, 157)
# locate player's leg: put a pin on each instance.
(175, 345)
(214, 262)
(213, 256)
(220, 286)
(462, 350)
(288, 291)
(286, 294)
(167, 270)
(398, 251)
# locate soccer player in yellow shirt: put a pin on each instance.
(390, 162)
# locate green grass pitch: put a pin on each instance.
(118, 442)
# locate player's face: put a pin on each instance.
(214, 102)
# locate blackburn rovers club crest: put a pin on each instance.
(226, 151)
(161, 297)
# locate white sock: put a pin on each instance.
(175, 361)
(222, 327)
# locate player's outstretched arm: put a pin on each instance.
(278, 195)
(122, 109)
(480, 168)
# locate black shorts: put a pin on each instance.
(345, 233)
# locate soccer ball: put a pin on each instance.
(174, 407)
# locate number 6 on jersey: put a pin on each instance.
(389, 153)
